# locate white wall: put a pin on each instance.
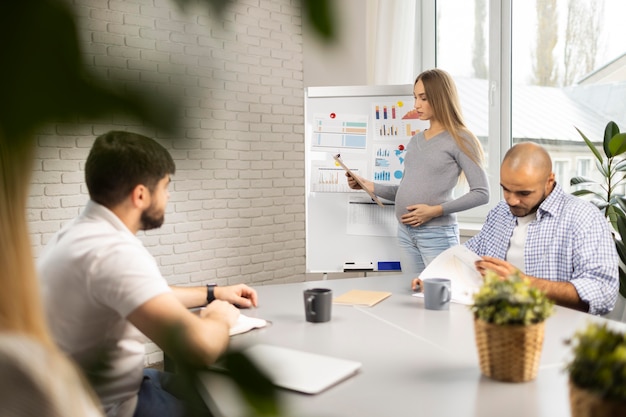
(237, 208)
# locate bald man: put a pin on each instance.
(561, 243)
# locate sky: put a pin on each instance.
(456, 33)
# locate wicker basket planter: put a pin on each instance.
(585, 403)
(509, 353)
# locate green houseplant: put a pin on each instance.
(605, 194)
(509, 318)
(597, 372)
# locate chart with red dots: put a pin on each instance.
(370, 128)
(394, 124)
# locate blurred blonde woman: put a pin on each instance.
(36, 379)
(435, 159)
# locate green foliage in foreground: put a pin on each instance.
(599, 362)
(510, 301)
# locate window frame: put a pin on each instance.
(500, 87)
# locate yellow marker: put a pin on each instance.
(400, 104)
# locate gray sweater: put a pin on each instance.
(431, 171)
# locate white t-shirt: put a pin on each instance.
(93, 273)
(515, 254)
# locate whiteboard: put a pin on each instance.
(369, 126)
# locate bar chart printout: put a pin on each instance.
(326, 177)
(340, 131)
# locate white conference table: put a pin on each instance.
(415, 361)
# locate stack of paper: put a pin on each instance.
(456, 264)
(245, 323)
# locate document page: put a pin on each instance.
(456, 264)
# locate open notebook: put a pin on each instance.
(296, 370)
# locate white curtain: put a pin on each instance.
(391, 43)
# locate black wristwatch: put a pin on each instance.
(210, 294)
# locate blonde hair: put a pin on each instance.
(21, 310)
(443, 98)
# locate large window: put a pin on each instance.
(462, 49)
(535, 70)
(568, 72)
(527, 70)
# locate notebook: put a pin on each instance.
(362, 297)
(300, 371)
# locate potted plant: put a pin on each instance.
(509, 318)
(597, 372)
(606, 194)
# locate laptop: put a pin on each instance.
(300, 371)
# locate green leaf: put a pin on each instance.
(613, 215)
(620, 166)
(590, 145)
(610, 130)
(605, 168)
(617, 144)
(621, 202)
(581, 180)
(510, 301)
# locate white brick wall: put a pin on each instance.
(236, 212)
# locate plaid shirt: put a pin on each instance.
(570, 241)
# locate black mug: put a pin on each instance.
(317, 304)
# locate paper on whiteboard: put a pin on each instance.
(456, 264)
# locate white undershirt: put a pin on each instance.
(515, 254)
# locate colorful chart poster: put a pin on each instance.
(388, 163)
(328, 177)
(394, 124)
(339, 131)
(394, 120)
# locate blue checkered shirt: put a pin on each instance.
(570, 241)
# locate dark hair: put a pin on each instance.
(119, 161)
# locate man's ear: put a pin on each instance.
(550, 182)
(140, 196)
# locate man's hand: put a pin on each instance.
(500, 267)
(240, 295)
(221, 310)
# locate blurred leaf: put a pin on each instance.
(599, 361)
(43, 77)
(318, 12)
(217, 5)
(256, 387)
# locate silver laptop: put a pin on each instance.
(296, 370)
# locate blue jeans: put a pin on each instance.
(162, 394)
(420, 245)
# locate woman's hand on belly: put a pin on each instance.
(420, 214)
